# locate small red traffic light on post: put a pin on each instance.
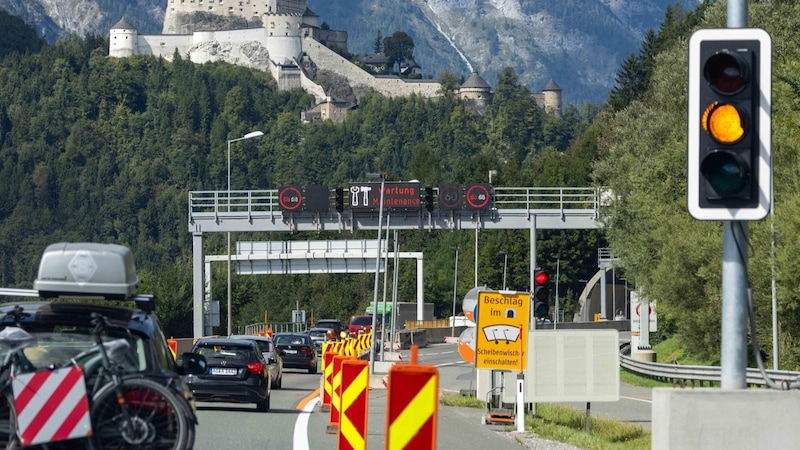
(541, 294)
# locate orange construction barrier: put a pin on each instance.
(336, 392)
(353, 418)
(411, 407)
(173, 347)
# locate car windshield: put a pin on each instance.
(227, 352)
(364, 320)
(57, 345)
(291, 340)
(317, 333)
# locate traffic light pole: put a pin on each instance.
(733, 360)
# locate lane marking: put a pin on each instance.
(302, 403)
(300, 436)
(636, 399)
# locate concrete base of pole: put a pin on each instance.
(644, 355)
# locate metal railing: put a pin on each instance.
(680, 374)
(261, 203)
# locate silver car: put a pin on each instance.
(267, 348)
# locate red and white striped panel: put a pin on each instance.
(51, 406)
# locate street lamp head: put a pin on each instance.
(253, 134)
(382, 176)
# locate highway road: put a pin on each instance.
(288, 426)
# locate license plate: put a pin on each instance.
(291, 352)
(222, 371)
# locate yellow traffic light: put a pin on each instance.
(725, 122)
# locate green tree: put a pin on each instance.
(398, 48)
(377, 44)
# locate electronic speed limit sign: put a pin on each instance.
(450, 196)
(479, 196)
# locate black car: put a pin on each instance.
(237, 373)
(334, 324)
(297, 351)
(267, 348)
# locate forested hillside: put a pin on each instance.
(671, 257)
(102, 149)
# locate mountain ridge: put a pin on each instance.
(578, 43)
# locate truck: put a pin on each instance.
(404, 311)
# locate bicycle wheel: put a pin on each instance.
(8, 422)
(152, 418)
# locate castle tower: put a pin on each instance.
(123, 39)
(552, 98)
(475, 89)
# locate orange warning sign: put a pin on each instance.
(411, 408)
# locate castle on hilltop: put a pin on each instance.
(282, 37)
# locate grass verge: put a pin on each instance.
(564, 424)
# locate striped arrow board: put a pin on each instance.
(51, 406)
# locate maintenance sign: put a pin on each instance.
(502, 325)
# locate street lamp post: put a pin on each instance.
(455, 285)
(626, 296)
(558, 275)
(382, 176)
(505, 266)
(252, 134)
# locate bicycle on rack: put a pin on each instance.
(125, 410)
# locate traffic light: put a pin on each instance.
(339, 200)
(730, 168)
(428, 199)
(541, 294)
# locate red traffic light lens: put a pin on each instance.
(725, 73)
(541, 278)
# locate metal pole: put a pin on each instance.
(733, 360)
(476, 253)
(385, 285)
(394, 287)
(377, 272)
(558, 275)
(455, 286)
(505, 266)
(229, 240)
(252, 134)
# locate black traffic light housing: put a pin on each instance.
(339, 200)
(429, 198)
(729, 167)
(541, 294)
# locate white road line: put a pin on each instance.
(300, 437)
(636, 399)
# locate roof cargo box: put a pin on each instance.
(86, 269)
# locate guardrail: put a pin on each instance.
(254, 203)
(681, 374)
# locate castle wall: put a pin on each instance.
(241, 8)
(390, 87)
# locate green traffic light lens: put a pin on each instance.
(724, 73)
(724, 172)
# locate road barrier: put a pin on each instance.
(353, 411)
(412, 404)
(681, 374)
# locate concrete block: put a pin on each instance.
(713, 419)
